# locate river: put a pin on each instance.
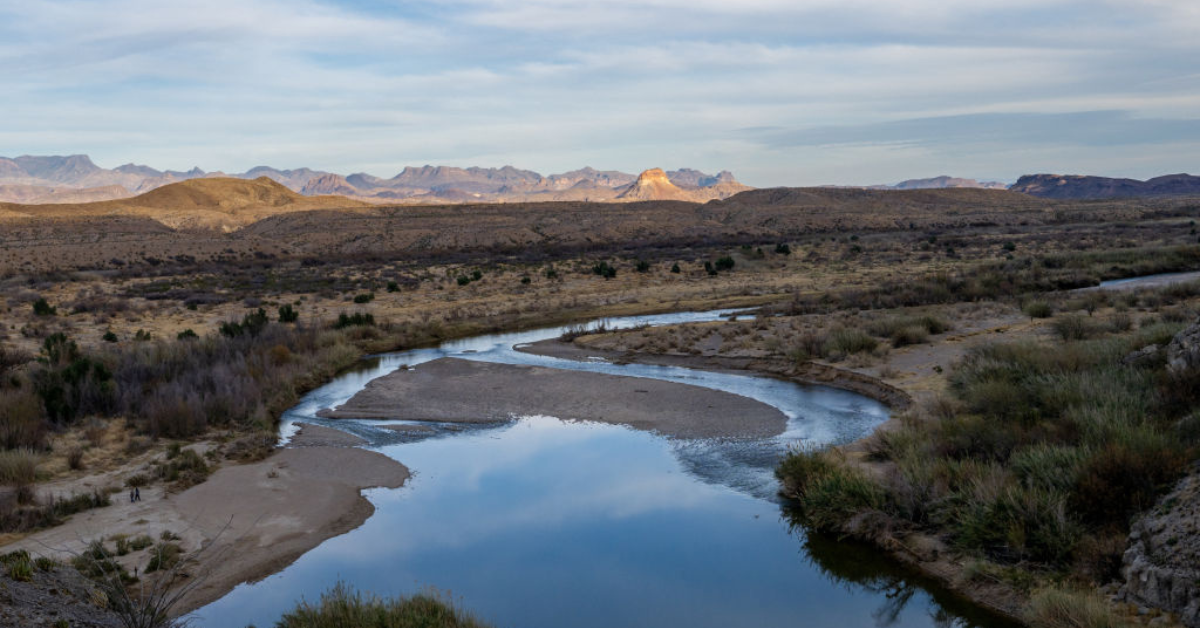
(539, 523)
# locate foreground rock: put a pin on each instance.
(1162, 564)
(464, 391)
(56, 597)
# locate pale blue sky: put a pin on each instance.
(780, 92)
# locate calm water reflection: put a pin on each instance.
(544, 523)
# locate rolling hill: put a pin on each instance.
(217, 203)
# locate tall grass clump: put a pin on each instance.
(340, 607)
(849, 340)
(1056, 607)
(827, 492)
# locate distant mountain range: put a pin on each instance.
(75, 178)
(1083, 187)
(933, 183)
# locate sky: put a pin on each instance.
(781, 92)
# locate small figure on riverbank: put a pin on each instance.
(137, 494)
(131, 495)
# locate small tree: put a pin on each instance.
(675, 268)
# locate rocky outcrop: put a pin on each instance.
(1162, 564)
(1183, 352)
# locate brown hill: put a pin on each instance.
(212, 203)
(41, 195)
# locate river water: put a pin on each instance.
(539, 522)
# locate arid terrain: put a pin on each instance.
(177, 325)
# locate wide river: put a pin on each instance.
(543, 523)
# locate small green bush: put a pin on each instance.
(783, 249)
(642, 266)
(109, 336)
(358, 319)
(164, 556)
(365, 297)
(463, 280)
(1038, 309)
(849, 340)
(604, 269)
(187, 334)
(675, 268)
(724, 263)
(288, 314)
(42, 308)
(393, 286)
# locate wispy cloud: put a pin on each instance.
(841, 90)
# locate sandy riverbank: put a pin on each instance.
(805, 373)
(263, 515)
(464, 391)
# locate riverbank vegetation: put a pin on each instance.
(1035, 461)
(342, 607)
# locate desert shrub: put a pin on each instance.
(1057, 607)
(341, 607)
(357, 319)
(604, 269)
(69, 383)
(187, 334)
(109, 336)
(252, 324)
(642, 266)
(798, 468)
(1138, 469)
(463, 280)
(1038, 309)
(140, 542)
(891, 326)
(675, 268)
(476, 275)
(75, 459)
(18, 467)
(22, 420)
(164, 556)
(1017, 523)
(828, 491)
(187, 468)
(42, 308)
(724, 263)
(1074, 327)
(848, 340)
(392, 286)
(288, 314)
(365, 297)
(783, 249)
(20, 566)
(909, 336)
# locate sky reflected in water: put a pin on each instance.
(541, 523)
